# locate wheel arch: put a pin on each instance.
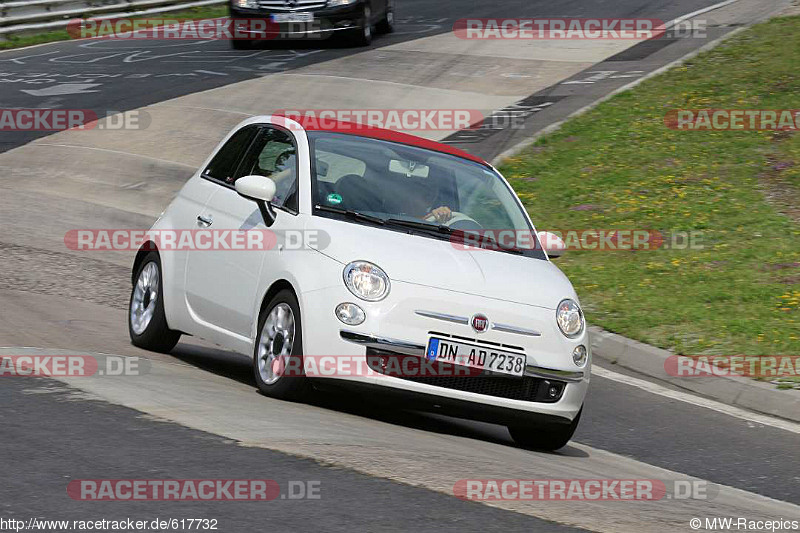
(276, 287)
(145, 249)
(270, 293)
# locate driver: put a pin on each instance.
(441, 214)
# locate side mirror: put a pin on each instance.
(553, 244)
(256, 188)
(261, 190)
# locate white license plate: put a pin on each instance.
(474, 356)
(293, 17)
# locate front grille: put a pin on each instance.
(297, 5)
(528, 389)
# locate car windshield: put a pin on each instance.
(402, 187)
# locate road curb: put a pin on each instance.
(739, 391)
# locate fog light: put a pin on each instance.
(553, 392)
(350, 314)
(579, 355)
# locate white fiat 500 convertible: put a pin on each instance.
(400, 257)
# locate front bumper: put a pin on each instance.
(394, 326)
(327, 21)
(412, 348)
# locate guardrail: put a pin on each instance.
(26, 17)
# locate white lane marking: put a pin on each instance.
(231, 111)
(35, 143)
(62, 89)
(693, 14)
(720, 407)
(18, 60)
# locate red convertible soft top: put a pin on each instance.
(352, 128)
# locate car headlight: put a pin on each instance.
(366, 281)
(570, 318)
(336, 3)
(247, 4)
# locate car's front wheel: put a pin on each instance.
(147, 321)
(548, 437)
(278, 357)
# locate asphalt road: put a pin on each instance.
(57, 438)
(55, 299)
(123, 75)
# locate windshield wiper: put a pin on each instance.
(483, 241)
(355, 215)
(440, 228)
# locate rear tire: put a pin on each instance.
(386, 25)
(278, 353)
(147, 321)
(362, 36)
(548, 437)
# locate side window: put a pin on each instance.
(224, 164)
(487, 201)
(274, 155)
(331, 166)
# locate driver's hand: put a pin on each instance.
(441, 214)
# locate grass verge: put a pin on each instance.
(196, 13)
(620, 167)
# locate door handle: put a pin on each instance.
(205, 220)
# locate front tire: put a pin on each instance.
(278, 353)
(547, 437)
(147, 321)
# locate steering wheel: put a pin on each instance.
(459, 221)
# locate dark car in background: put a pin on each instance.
(356, 20)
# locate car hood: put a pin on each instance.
(441, 264)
